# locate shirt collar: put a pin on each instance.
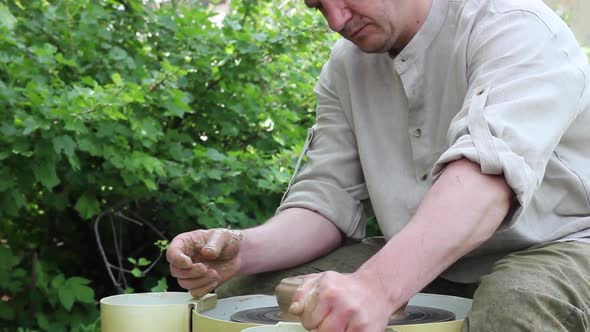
(423, 38)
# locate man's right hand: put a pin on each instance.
(201, 260)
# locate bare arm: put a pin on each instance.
(292, 237)
(462, 210)
(203, 259)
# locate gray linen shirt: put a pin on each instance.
(502, 83)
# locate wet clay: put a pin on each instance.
(284, 294)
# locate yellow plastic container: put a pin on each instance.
(145, 312)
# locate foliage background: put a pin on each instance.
(149, 118)
(143, 120)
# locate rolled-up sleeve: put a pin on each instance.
(331, 182)
(526, 80)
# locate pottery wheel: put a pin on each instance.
(414, 315)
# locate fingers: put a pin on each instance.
(196, 283)
(196, 270)
(221, 243)
(232, 245)
(208, 244)
(332, 323)
(200, 291)
(331, 302)
(307, 304)
(298, 301)
(202, 259)
(314, 311)
(176, 256)
(199, 279)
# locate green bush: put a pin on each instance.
(150, 112)
(136, 112)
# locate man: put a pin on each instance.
(465, 123)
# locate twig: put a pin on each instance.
(119, 214)
(115, 210)
(150, 225)
(164, 79)
(117, 240)
(97, 106)
(101, 248)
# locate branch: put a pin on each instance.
(115, 210)
(164, 79)
(97, 106)
(101, 248)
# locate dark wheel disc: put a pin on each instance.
(414, 315)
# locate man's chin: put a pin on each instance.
(370, 46)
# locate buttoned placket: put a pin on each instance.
(411, 79)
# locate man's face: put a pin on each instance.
(375, 26)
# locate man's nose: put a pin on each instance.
(337, 14)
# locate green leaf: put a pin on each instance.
(58, 281)
(169, 67)
(162, 286)
(136, 272)
(6, 311)
(143, 262)
(90, 145)
(45, 173)
(147, 128)
(6, 184)
(76, 125)
(68, 62)
(162, 244)
(174, 109)
(64, 143)
(177, 103)
(8, 259)
(66, 297)
(150, 183)
(78, 281)
(22, 146)
(8, 129)
(215, 155)
(43, 322)
(132, 260)
(214, 174)
(18, 273)
(30, 125)
(42, 278)
(114, 113)
(116, 77)
(87, 206)
(118, 54)
(7, 20)
(84, 294)
(32, 91)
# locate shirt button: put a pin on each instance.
(424, 177)
(417, 132)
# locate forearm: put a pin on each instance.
(461, 211)
(292, 237)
